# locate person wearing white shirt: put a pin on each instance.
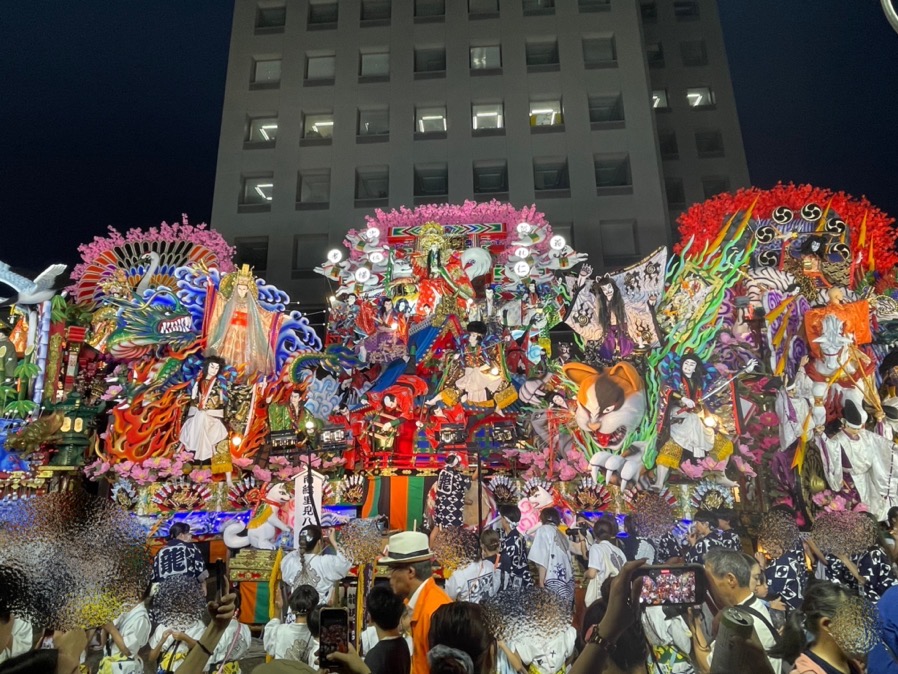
(307, 566)
(15, 636)
(670, 638)
(605, 558)
(169, 646)
(548, 655)
(232, 646)
(280, 639)
(478, 580)
(550, 551)
(127, 635)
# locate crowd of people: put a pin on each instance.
(804, 609)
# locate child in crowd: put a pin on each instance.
(279, 637)
(478, 580)
(514, 571)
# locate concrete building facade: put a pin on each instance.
(333, 109)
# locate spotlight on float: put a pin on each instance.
(709, 420)
(236, 440)
(522, 252)
(522, 269)
(494, 370)
(372, 234)
(376, 257)
(310, 426)
(334, 255)
(362, 274)
(524, 228)
(557, 242)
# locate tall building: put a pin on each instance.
(610, 115)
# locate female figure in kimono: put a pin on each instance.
(612, 316)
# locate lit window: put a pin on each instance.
(490, 177)
(715, 185)
(486, 58)
(538, 6)
(372, 182)
(709, 143)
(676, 194)
(660, 100)
(483, 7)
(546, 113)
(606, 108)
(267, 71)
(654, 53)
(667, 144)
(262, 130)
(686, 10)
(542, 53)
(314, 186)
(258, 190)
(430, 120)
(430, 8)
(431, 180)
(649, 12)
(376, 10)
(694, 52)
(612, 170)
(700, 97)
(618, 239)
(252, 250)
(374, 122)
(319, 125)
(322, 12)
(550, 174)
(308, 252)
(321, 67)
(374, 64)
(599, 52)
(487, 116)
(270, 18)
(430, 60)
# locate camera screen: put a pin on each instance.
(669, 586)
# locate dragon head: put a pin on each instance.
(150, 325)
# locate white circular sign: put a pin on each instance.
(376, 257)
(522, 268)
(522, 252)
(557, 242)
(335, 255)
(524, 228)
(372, 233)
(362, 274)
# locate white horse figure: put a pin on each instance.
(262, 530)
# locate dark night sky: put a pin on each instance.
(110, 110)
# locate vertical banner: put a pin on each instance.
(306, 504)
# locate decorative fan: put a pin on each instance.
(534, 484)
(590, 496)
(182, 495)
(712, 496)
(505, 490)
(352, 489)
(636, 497)
(328, 495)
(245, 493)
(124, 493)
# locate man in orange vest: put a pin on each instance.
(411, 577)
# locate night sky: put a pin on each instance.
(110, 110)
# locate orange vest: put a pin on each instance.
(430, 599)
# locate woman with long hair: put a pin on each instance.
(612, 316)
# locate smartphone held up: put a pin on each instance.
(672, 585)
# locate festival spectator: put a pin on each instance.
(869, 573)
(280, 638)
(460, 641)
(669, 549)
(545, 653)
(702, 537)
(513, 567)
(179, 556)
(171, 648)
(635, 546)
(630, 652)
(729, 573)
(15, 636)
(785, 573)
(126, 635)
(605, 558)
(63, 659)
(550, 551)
(669, 637)
(882, 659)
(725, 534)
(308, 566)
(808, 639)
(477, 580)
(391, 654)
(410, 560)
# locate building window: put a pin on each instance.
(606, 109)
(318, 125)
(660, 100)
(713, 185)
(262, 130)
(431, 181)
(594, 5)
(430, 8)
(483, 8)
(320, 68)
(258, 191)
(372, 183)
(694, 53)
(612, 173)
(667, 144)
(709, 143)
(252, 250)
(430, 61)
(654, 54)
(686, 10)
(430, 120)
(266, 73)
(700, 97)
(550, 174)
(599, 52)
(649, 12)
(374, 65)
(535, 7)
(374, 122)
(486, 58)
(270, 19)
(323, 13)
(487, 116)
(618, 240)
(542, 55)
(308, 252)
(546, 113)
(314, 188)
(676, 194)
(376, 10)
(490, 177)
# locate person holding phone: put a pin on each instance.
(308, 566)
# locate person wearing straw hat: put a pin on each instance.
(410, 560)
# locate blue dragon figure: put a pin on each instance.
(154, 324)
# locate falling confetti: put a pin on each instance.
(844, 532)
(778, 531)
(361, 541)
(78, 560)
(522, 614)
(453, 547)
(179, 602)
(855, 627)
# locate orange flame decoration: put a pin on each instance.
(258, 429)
(139, 432)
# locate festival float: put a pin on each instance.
(470, 358)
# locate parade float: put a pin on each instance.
(470, 358)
